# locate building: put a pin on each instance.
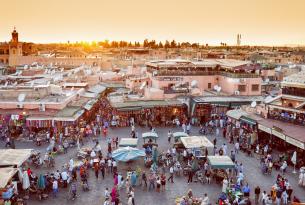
(290, 105)
(231, 77)
(11, 51)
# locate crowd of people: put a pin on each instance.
(171, 163)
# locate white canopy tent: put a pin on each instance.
(6, 175)
(14, 157)
(196, 142)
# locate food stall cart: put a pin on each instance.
(196, 144)
(128, 142)
(218, 165)
(150, 136)
(177, 136)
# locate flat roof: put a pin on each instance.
(75, 84)
(297, 79)
(291, 130)
(212, 99)
(68, 111)
(229, 63)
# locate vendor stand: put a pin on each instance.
(127, 155)
(177, 135)
(128, 142)
(7, 189)
(218, 165)
(14, 157)
(150, 136)
(196, 144)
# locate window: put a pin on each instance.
(209, 85)
(255, 87)
(242, 88)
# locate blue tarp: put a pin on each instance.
(126, 154)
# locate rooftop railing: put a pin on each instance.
(205, 73)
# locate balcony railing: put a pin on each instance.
(295, 92)
(205, 73)
(170, 91)
(300, 119)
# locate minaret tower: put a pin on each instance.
(15, 48)
(238, 39)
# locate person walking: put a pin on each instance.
(55, 187)
(129, 202)
(169, 136)
(205, 200)
(144, 179)
(158, 182)
(257, 192)
(109, 163)
(96, 169)
(171, 174)
(285, 197)
(151, 181)
(102, 167)
(190, 176)
(278, 195)
(264, 197)
(163, 182)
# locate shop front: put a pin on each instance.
(148, 113)
(284, 137)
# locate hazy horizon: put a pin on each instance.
(260, 22)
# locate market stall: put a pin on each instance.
(7, 187)
(150, 136)
(126, 154)
(218, 165)
(177, 136)
(221, 162)
(6, 174)
(14, 157)
(196, 142)
(128, 142)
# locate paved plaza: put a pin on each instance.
(253, 175)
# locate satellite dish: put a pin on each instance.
(32, 84)
(21, 97)
(253, 104)
(215, 87)
(194, 84)
(218, 89)
(25, 67)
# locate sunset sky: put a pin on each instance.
(260, 22)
